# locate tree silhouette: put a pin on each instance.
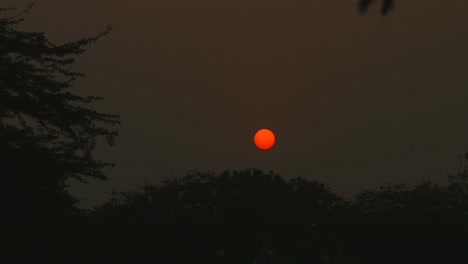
(47, 133)
(411, 224)
(235, 217)
(251, 216)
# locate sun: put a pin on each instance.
(264, 139)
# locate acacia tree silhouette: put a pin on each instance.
(43, 126)
(47, 133)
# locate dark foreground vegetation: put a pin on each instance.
(254, 217)
(47, 136)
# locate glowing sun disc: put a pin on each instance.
(264, 139)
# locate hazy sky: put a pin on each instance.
(355, 101)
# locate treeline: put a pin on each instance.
(255, 217)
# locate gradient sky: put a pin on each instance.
(355, 101)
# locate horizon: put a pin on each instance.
(356, 101)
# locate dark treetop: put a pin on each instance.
(47, 133)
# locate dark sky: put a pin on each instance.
(355, 101)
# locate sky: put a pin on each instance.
(355, 101)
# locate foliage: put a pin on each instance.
(242, 213)
(47, 133)
(242, 216)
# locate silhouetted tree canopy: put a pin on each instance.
(427, 200)
(246, 214)
(253, 194)
(47, 133)
(250, 215)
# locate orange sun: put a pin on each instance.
(264, 139)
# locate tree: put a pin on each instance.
(47, 133)
(47, 136)
(242, 215)
(409, 224)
